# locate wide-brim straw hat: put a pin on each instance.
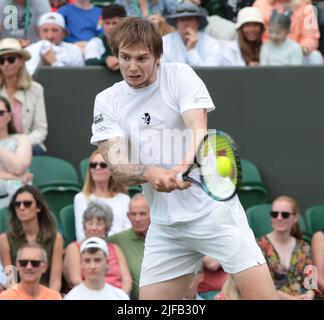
(12, 46)
(188, 9)
(248, 14)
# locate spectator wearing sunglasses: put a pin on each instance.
(15, 155)
(286, 253)
(31, 264)
(26, 96)
(31, 221)
(95, 257)
(97, 221)
(99, 184)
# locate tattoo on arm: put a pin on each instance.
(114, 152)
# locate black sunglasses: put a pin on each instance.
(26, 203)
(34, 263)
(102, 165)
(10, 59)
(284, 214)
(3, 112)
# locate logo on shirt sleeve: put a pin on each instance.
(200, 99)
(98, 118)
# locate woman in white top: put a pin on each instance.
(15, 155)
(245, 50)
(99, 184)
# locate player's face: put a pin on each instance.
(51, 32)
(252, 31)
(94, 265)
(280, 223)
(138, 66)
(139, 216)
(277, 35)
(109, 25)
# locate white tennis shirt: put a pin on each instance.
(150, 118)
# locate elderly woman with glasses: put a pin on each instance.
(26, 96)
(97, 221)
(31, 221)
(15, 155)
(99, 184)
(286, 253)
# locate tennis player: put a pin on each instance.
(139, 114)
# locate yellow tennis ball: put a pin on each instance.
(224, 166)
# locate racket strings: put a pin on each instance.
(217, 185)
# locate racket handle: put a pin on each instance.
(179, 176)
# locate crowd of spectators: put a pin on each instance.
(104, 261)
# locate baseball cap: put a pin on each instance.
(52, 17)
(95, 242)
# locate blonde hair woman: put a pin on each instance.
(26, 96)
(286, 253)
(100, 185)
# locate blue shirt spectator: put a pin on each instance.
(143, 8)
(82, 24)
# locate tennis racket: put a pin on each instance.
(219, 167)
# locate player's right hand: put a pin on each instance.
(162, 180)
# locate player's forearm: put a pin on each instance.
(114, 152)
(129, 174)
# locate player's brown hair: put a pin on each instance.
(135, 31)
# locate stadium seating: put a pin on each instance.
(259, 219)
(68, 224)
(4, 218)
(314, 217)
(52, 171)
(252, 190)
(83, 168)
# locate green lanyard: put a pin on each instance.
(138, 9)
(26, 17)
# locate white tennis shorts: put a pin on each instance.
(175, 250)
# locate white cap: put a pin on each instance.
(248, 14)
(95, 242)
(52, 17)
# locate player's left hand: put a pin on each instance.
(181, 168)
